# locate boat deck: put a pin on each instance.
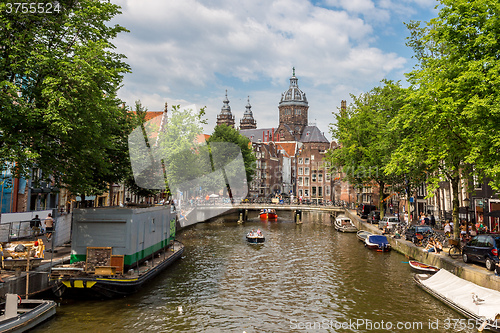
(76, 270)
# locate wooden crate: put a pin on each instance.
(118, 262)
(97, 256)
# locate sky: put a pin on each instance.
(185, 52)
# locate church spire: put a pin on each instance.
(248, 122)
(225, 116)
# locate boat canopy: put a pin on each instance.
(378, 239)
(462, 292)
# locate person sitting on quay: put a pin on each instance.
(433, 246)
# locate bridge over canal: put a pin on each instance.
(202, 213)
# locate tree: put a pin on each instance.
(452, 115)
(228, 153)
(58, 82)
(366, 139)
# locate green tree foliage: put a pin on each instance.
(59, 77)
(224, 133)
(452, 117)
(365, 137)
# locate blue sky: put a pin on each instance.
(190, 51)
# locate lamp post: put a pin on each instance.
(466, 204)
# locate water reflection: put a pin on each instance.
(302, 274)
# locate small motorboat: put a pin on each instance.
(344, 224)
(255, 237)
(362, 234)
(422, 268)
(268, 214)
(20, 315)
(378, 242)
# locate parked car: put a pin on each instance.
(389, 222)
(373, 217)
(364, 209)
(413, 230)
(483, 249)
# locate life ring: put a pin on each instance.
(20, 300)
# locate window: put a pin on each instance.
(312, 157)
(306, 160)
(306, 171)
(300, 160)
(313, 176)
(300, 171)
(307, 181)
(306, 193)
(327, 190)
(300, 181)
(328, 177)
(320, 178)
(314, 191)
(320, 191)
(300, 192)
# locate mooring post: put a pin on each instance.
(298, 216)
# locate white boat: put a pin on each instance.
(344, 224)
(21, 315)
(362, 235)
(475, 302)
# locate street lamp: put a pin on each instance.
(466, 204)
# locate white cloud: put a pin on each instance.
(190, 51)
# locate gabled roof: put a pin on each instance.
(288, 147)
(313, 134)
(254, 135)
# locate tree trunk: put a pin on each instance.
(456, 222)
(381, 186)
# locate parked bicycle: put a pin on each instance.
(455, 249)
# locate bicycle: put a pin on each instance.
(455, 248)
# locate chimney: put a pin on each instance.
(273, 135)
(343, 108)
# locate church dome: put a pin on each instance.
(294, 96)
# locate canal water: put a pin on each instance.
(304, 278)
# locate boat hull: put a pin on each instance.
(42, 311)
(256, 240)
(377, 243)
(422, 268)
(268, 216)
(113, 286)
(361, 235)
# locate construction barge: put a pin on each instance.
(114, 251)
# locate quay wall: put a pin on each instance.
(470, 272)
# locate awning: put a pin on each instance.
(87, 197)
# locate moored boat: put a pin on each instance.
(268, 214)
(481, 305)
(21, 315)
(115, 251)
(255, 237)
(344, 224)
(362, 234)
(422, 268)
(378, 242)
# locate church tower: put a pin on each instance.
(225, 116)
(248, 122)
(293, 109)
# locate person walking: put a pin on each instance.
(35, 224)
(49, 226)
